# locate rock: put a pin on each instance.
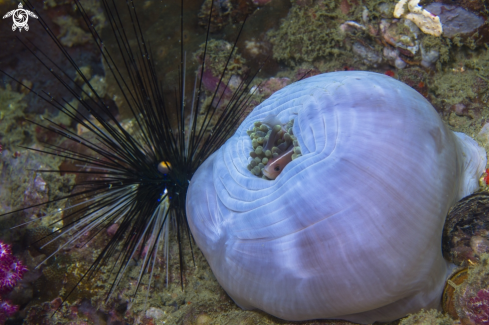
(203, 319)
(429, 57)
(455, 20)
(402, 34)
(369, 55)
(155, 313)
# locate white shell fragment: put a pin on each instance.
(426, 21)
(352, 228)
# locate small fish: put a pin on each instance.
(275, 166)
(164, 167)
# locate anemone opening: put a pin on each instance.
(274, 145)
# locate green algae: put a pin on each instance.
(15, 129)
(441, 45)
(378, 9)
(427, 317)
(217, 56)
(477, 279)
(98, 84)
(309, 32)
(480, 64)
(464, 82)
(70, 32)
(312, 31)
(452, 87)
(11, 114)
(18, 165)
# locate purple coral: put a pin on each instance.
(6, 310)
(5, 251)
(478, 307)
(11, 271)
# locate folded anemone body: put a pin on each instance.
(352, 228)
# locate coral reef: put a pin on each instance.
(310, 31)
(38, 238)
(477, 307)
(232, 79)
(427, 317)
(451, 71)
(370, 35)
(471, 297)
(6, 310)
(71, 34)
(11, 271)
(220, 14)
(217, 57)
(11, 115)
(21, 187)
(226, 11)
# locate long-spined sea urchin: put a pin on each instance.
(137, 180)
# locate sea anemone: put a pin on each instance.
(352, 228)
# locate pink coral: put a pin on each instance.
(6, 310)
(11, 271)
(5, 251)
(478, 307)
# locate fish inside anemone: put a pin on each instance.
(350, 229)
